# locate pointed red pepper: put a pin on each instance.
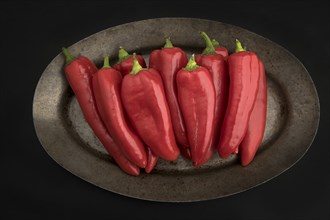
(106, 86)
(125, 63)
(145, 102)
(220, 49)
(168, 61)
(196, 95)
(257, 122)
(217, 67)
(152, 160)
(244, 74)
(79, 73)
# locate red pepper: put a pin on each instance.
(152, 161)
(197, 99)
(79, 73)
(244, 77)
(257, 122)
(168, 61)
(125, 62)
(219, 49)
(145, 103)
(106, 86)
(217, 67)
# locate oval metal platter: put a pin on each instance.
(292, 117)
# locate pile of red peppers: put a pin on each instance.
(214, 101)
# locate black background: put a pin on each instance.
(35, 186)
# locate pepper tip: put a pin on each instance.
(136, 65)
(122, 54)
(168, 42)
(191, 65)
(106, 63)
(239, 46)
(68, 57)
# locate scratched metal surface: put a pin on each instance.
(292, 116)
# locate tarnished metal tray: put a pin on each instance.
(292, 117)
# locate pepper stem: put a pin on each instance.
(209, 46)
(106, 63)
(68, 57)
(136, 65)
(239, 47)
(122, 54)
(168, 43)
(191, 65)
(215, 43)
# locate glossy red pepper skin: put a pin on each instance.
(106, 86)
(91, 67)
(145, 103)
(257, 122)
(197, 99)
(168, 61)
(219, 49)
(79, 73)
(244, 74)
(152, 161)
(125, 64)
(222, 51)
(217, 67)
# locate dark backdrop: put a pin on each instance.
(33, 186)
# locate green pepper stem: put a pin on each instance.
(215, 43)
(191, 65)
(168, 43)
(209, 46)
(122, 54)
(239, 47)
(106, 63)
(136, 65)
(68, 57)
